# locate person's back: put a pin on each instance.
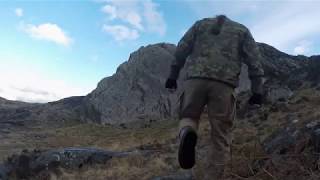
(216, 48)
(212, 52)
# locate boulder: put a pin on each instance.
(30, 164)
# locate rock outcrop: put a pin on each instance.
(135, 92)
(39, 164)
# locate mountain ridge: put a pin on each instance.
(136, 93)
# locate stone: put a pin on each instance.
(278, 94)
(29, 164)
(279, 143)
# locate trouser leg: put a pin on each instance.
(221, 109)
(184, 122)
(192, 102)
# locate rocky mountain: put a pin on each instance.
(4, 103)
(135, 92)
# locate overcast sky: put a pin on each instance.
(54, 49)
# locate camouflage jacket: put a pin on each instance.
(210, 51)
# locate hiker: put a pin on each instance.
(212, 52)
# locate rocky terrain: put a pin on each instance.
(131, 113)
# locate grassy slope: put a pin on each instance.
(161, 136)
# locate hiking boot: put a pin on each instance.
(188, 141)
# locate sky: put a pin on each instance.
(52, 49)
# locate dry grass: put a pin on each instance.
(247, 151)
(130, 168)
(84, 135)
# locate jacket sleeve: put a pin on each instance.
(183, 50)
(252, 58)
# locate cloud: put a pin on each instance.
(30, 85)
(49, 32)
(126, 11)
(303, 48)
(299, 50)
(288, 24)
(133, 17)
(18, 12)
(154, 19)
(111, 11)
(233, 8)
(280, 24)
(120, 32)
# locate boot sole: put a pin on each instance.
(187, 150)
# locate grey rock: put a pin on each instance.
(136, 92)
(71, 158)
(278, 66)
(280, 142)
(244, 81)
(29, 164)
(312, 124)
(275, 94)
(289, 138)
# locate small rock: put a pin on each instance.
(312, 124)
(279, 142)
(295, 121)
(279, 94)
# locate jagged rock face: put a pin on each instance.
(281, 68)
(278, 65)
(136, 91)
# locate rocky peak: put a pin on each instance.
(135, 91)
(279, 65)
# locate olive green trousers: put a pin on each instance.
(220, 101)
